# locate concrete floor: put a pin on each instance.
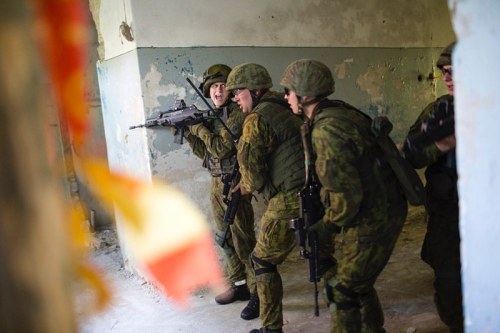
(405, 290)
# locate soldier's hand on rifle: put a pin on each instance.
(446, 144)
(197, 129)
(238, 187)
(174, 130)
(323, 229)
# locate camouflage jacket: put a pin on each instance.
(263, 143)
(346, 156)
(213, 143)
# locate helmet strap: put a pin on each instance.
(256, 96)
(301, 103)
(316, 99)
(316, 109)
(312, 101)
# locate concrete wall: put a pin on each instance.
(478, 120)
(278, 23)
(390, 81)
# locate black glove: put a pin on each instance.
(324, 229)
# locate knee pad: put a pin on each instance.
(264, 266)
(227, 248)
(329, 284)
(348, 299)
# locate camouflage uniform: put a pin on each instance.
(213, 143)
(441, 247)
(270, 149)
(361, 195)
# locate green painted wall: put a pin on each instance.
(380, 81)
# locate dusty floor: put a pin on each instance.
(405, 290)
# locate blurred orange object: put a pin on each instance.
(167, 234)
(63, 28)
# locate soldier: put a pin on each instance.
(360, 193)
(271, 162)
(214, 144)
(441, 247)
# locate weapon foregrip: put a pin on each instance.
(232, 208)
(230, 214)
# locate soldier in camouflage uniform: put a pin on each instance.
(360, 194)
(214, 144)
(441, 247)
(271, 162)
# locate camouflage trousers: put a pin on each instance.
(361, 256)
(274, 243)
(241, 240)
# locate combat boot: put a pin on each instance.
(251, 311)
(266, 330)
(234, 293)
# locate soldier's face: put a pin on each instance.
(448, 78)
(218, 93)
(244, 99)
(291, 98)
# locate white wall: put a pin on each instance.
(277, 23)
(477, 72)
(123, 107)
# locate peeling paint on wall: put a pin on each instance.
(184, 170)
(372, 81)
(340, 70)
(153, 89)
(379, 81)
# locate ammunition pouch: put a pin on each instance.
(218, 167)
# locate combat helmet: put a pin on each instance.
(445, 56)
(308, 78)
(249, 76)
(215, 73)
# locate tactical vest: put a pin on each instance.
(216, 166)
(372, 165)
(286, 162)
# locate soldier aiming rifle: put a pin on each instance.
(180, 117)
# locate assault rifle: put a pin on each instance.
(232, 204)
(439, 125)
(179, 117)
(311, 211)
